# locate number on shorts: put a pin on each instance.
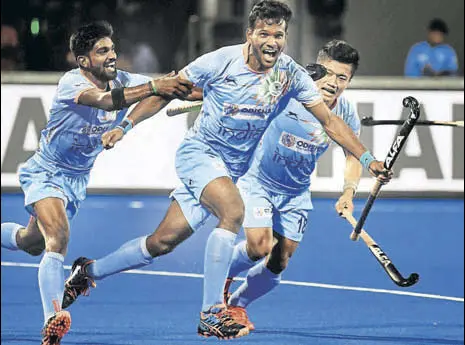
(302, 224)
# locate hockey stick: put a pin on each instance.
(315, 70)
(399, 141)
(186, 107)
(382, 257)
(369, 121)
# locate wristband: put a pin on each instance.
(366, 158)
(125, 125)
(152, 85)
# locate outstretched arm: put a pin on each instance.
(169, 86)
(338, 130)
(352, 173)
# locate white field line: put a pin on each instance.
(286, 282)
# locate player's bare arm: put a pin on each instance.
(338, 130)
(118, 98)
(352, 173)
(142, 111)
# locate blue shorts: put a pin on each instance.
(40, 180)
(197, 165)
(286, 214)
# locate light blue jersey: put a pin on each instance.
(70, 143)
(291, 146)
(71, 139)
(276, 190)
(238, 103)
(440, 58)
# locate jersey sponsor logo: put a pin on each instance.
(262, 212)
(94, 129)
(297, 144)
(246, 111)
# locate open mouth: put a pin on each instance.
(111, 66)
(270, 54)
(328, 90)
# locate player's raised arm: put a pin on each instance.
(338, 130)
(122, 97)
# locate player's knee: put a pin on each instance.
(161, 245)
(35, 250)
(57, 237)
(259, 249)
(232, 219)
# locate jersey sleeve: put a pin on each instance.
(70, 88)
(351, 117)
(304, 88)
(204, 68)
(411, 68)
(452, 64)
(133, 79)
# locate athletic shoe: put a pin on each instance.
(240, 316)
(218, 322)
(55, 328)
(78, 282)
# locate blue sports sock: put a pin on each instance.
(9, 231)
(132, 254)
(240, 260)
(51, 283)
(218, 253)
(260, 280)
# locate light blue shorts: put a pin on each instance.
(286, 214)
(40, 180)
(196, 215)
(197, 165)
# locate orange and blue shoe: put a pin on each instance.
(226, 293)
(78, 282)
(219, 323)
(55, 328)
(240, 316)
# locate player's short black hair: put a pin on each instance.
(270, 9)
(84, 39)
(340, 51)
(438, 25)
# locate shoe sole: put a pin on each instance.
(59, 326)
(243, 332)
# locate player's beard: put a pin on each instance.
(262, 58)
(103, 74)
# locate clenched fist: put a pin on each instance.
(377, 170)
(110, 138)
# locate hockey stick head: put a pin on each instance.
(316, 71)
(411, 102)
(411, 280)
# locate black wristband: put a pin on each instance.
(117, 96)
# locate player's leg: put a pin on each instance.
(257, 225)
(53, 223)
(18, 237)
(182, 218)
(289, 223)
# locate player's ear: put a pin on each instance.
(248, 34)
(83, 61)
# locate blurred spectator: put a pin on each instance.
(11, 53)
(432, 58)
(144, 59)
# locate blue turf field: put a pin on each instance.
(156, 308)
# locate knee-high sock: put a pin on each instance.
(218, 253)
(260, 280)
(240, 260)
(51, 283)
(9, 231)
(132, 254)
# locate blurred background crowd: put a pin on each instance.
(156, 36)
